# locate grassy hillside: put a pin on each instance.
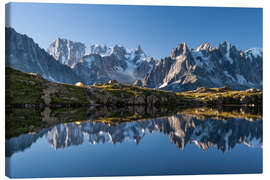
(27, 89)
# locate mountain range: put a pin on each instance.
(184, 69)
(101, 63)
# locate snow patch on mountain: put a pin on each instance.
(253, 52)
(228, 52)
(163, 85)
(202, 61)
(102, 50)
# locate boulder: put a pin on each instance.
(97, 84)
(36, 75)
(152, 99)
(251, 99)
(113, 82)
(219, 99)
(201, 90)
(252, 90)
(225, 88)
(115, 86)
(139, 100)
(164, 100)
(130, 100)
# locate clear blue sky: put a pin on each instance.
(157, 29)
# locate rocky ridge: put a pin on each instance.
(23, 54)
(101, 63)
(188, 69)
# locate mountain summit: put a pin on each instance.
(66, 51)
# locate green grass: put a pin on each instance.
(120, 93)
(213, 113)
(128, 91)
(23, 88)
(228, 97)
(73, 95)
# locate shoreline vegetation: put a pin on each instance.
(33, 103)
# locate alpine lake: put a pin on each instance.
(134, 140)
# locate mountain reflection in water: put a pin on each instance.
(182, 129)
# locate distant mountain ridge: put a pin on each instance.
(98, 63)
(185, 69)
(23, 54)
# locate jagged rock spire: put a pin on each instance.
(179, 50)
(139, 49)
(204, 46)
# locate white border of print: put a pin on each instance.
(216, 3)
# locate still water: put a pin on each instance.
(183, 143)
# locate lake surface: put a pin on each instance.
(169, 145)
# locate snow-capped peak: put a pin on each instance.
(181, 49)
(254, 51)
(225, 48)
(102, 50)
(135, 56)
(204, 46)
(139, 50)
(227, 43)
